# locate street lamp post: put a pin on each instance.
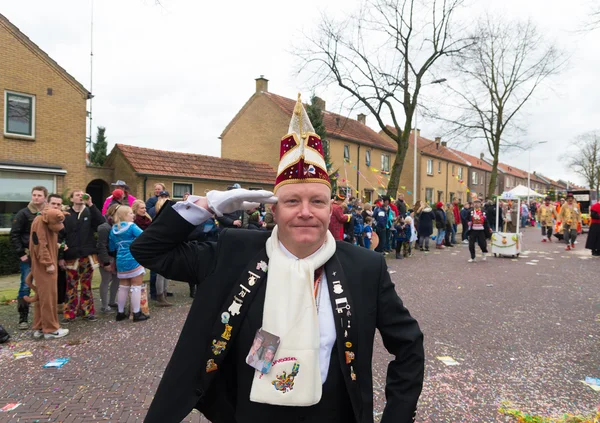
(416, 146)
(529, 170)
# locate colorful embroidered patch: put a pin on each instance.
(284, 382)
(227, 332)
(211, 366)
(218, 346)
(349, 357)
(262, 265)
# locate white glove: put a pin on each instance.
(222, 202)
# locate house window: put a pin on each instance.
(440, 196)
(460, 173)
(474, 178)
(507, 182)
(19, 115)
(369, 195)
(429, 195)
(15, 192)
(385, 163)
(440, 166)
(346, 153)
(367, 157)
(179, 189)
(452, 196)
(430, 167)
(453, 170)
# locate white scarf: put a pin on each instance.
(290, 312)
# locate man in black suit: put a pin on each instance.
(321, 299)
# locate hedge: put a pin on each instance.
(9, 262)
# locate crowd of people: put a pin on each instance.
(386, 226)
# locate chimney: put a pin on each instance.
(320, 103)
(444, 143)
(337, 122)
(481, 156)
(437, 142)
(262, 85)
(362, 118)
(418, 132)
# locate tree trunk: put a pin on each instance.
(392, 188)
(493, 176)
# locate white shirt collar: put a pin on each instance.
(290, 255)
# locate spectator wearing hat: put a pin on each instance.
(384, 219)
(479, 230)
(162, 197)
(426, 218)
(440, 225)
(126, 196)
(359, 225)
(570, 217)
(545, 215)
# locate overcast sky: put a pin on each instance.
(172, 76)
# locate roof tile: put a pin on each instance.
(170, 163)
(340, 126)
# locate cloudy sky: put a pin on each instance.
(172, 76)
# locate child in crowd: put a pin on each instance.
(108, 269)
(161, 282)
(359, 226)
(413, 234)
(368, 231)
(129, 271)
(403, 234)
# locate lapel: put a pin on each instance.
(346, 330)
(233, 311)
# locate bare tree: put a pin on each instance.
(497, 77)
(382, 57)
(586, 162)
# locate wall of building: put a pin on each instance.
(256, 132)
(60, 118)
(442, 181)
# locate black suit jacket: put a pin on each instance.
(219, 267)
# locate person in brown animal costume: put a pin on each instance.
(43, 247)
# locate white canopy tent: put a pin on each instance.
(523, 191)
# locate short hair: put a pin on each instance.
(74, 191)
(51, 196)
(164, 187)
(40, 188)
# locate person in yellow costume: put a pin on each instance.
(545, 215)
(570, 217)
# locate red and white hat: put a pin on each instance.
(301, 153)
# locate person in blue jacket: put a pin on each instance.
(129, 271)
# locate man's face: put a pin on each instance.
(455, 201)
(76, 197)
(570, 200)
(562, 201)
(401, 198)
(55, 203)
(257, 344)
(547, 202)
(157, 189)
(38, 198)
(302, 215)
(269, 354)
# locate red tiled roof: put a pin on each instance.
(170, 163)
(431, 148)
(475, 162)
(16, 32)
(339, 126)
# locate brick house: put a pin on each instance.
(441, 172)
(197, 174)
(361, 156)
(479, 175)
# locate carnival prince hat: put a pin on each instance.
(301, 153)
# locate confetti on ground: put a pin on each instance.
(490, 285)
(532, 264)
(391, 272)
(57, 363)
(592, 382)
(534, 261)
(24, 354)
(10, 407)
(448, 361)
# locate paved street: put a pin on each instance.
(524, 330)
